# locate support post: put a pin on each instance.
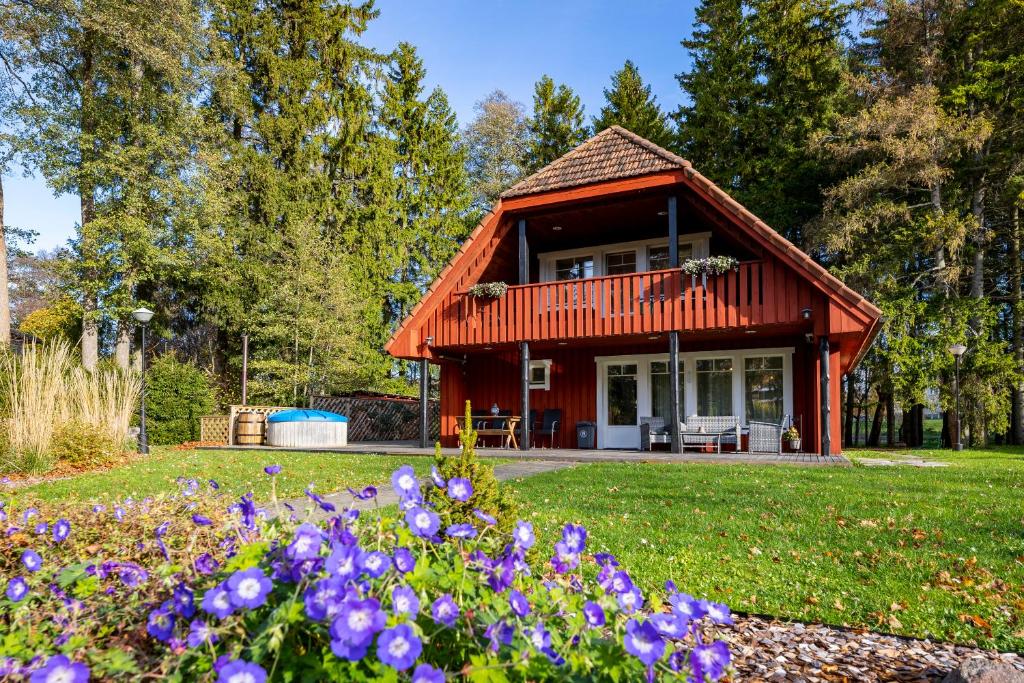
(673, 391)
(524, 254)
(143, 438)
(245, 369)
(673, 233)
(524, 396)
(826, 411)
(424, 403)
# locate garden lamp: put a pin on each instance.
(957, 350)
(143, 316)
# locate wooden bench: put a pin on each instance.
(503, 426)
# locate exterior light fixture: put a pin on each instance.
(654, 336)
(429, 341)
(143, 316)
(957, 350)
(805, 313)
(556, 228)
(663, 213)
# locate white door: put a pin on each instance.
(618, 404)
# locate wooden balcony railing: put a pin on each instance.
(756, 293)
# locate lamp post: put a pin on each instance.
(957, 350)
(143, 316)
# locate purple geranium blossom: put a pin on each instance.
(118, 513)
(618, 582)
(17, 589)
(686, 606)
(241, 671)
(631, 600)
(445, 611)
(422, 522)
(425, 673)
(31, 560)
(523, 535)
(367, 493)
(249, 588)
(484, 517)
(593, 614)
(564, 560)
(436, 477)
(217, 601)
(463, 530)
(42, 528)
(376, 563)
(345, 561)
(184, 601)
(669, 624)
(60, 668)
(499, 633)
(520, 605)
(539, 637)
(199, 634)
(644, 642)
(709, 660)
(61, 530)
(160, 623)
(404, 481)
(575, 538)
(324, 505)
(206, 564)
(399, 647)
(353, 653)
(358, 621)
(272, 469)
(201, 520)
(717, 612)
(460, 489)
(404, 601)
(306, 543)
(161, 530)
(323, 599)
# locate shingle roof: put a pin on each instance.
(611, 154)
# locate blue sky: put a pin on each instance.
(470, 48)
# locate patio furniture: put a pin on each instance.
(653, 430)
(703, 431)
(765, 437)
(549, 427)
(503, 426)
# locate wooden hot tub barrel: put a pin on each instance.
(250, 428)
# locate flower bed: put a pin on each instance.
(190, 587)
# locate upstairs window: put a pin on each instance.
(574, 268)
(657, 257)
(620, 263)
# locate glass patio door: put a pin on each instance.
(620, 414)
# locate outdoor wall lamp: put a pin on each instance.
(429, 341)
(143, 316)
(805, 314)
(957, 350)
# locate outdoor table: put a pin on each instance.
(702, 439)
(501, 425)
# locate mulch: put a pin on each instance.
(766, 650)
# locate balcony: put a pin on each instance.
(756, 293)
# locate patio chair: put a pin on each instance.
(652, 431)
(765, 437)
(549, 427)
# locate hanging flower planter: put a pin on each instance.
(712, 265)
(488, 290)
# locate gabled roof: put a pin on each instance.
(612, 154)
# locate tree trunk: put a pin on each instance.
(876, 424)
(5, 303)
(86, 192)
(890, 420)
(1017, 419)
(123, 349)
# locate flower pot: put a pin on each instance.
(794, 444)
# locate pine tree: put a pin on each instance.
(630, 104)
(557, 124)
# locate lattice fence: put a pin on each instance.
(381, 418)
(214, 428)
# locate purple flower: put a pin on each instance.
(61, 530)
(323, 599)
(118, 513)
(422, 522)
(184, 601)
(618, 582)
(523, 535)
(376, 563)
(539, 637)
(161, 530)
(460, 489)
(436, 477)
(404, 560)
(201, 520)
(199, 634)
(499, 633)
(484, 517)
(445, 611)
(324, 505)
(425, 673)
(344, 650)
(306, 543)
(404, 601)
(42, 528)
(272, 469)
(399, 647)
(217, 601)
(31, 560)
(403, 480)
(520, 605)
(249, 588)
(17, 589)
(358, 621)
(643, 642)
(28, 514)
(669, 625)
(575, 538)
(709, 660)
(367, 493)
(160, 624)
(241, 671)
(686, 606)
(205, 564)
(631, 600)
(564, 560)
(461, 531)
(60, 668)
(593, 614)
(345, 561)
(214, 485)
(718, 612)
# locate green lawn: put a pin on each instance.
(237, 471)
(923, 552)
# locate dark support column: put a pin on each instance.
(424, 403)
(524, 254)
(826, 411)
(673, 234)
(673, 390)
(524, 396)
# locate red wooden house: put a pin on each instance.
(599, 318)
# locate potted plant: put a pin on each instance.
(792, 437)
(488, 290)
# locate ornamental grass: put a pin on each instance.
(194, 586)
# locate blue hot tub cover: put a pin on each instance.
(300, 415)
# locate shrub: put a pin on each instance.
(185, 587)
(177, 394)
(484, 492)
(82, 446)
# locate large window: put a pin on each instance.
(661, 399)
(714, 387)
(622, 394)
(574, 268)
(620, 263)
(657, 257)
(763, 388)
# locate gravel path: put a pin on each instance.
(773, 651)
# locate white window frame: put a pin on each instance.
(546, 384)
(699, 242)
(787, 382)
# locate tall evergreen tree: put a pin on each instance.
(557, 124)
(630, 104)
(497, 144)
